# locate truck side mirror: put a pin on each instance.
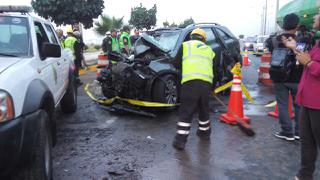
(51, 50)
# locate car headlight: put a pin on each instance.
(6, 107)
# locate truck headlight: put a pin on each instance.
(6, 107)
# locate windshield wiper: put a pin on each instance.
(8, 55)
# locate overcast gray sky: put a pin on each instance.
(240, 16)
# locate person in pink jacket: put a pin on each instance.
(308, 97)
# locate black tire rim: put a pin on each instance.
(171, 91)
(47, 156)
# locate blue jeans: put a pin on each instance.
(282, 97)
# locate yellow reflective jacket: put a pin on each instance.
(197, 61)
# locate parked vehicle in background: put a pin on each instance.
(36, 75)
(260, 45)
(249, 43)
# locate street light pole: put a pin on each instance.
(275, 24)
(265, 19)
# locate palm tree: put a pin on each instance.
(106, 24)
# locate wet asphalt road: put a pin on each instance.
(96, 144)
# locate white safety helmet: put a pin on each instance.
(108, 33)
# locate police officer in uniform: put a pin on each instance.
(125, 41)
(111, 43)
(195, 59)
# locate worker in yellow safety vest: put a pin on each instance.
(195, 59)
(73, 43)
(70, 40)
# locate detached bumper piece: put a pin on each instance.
(122, 105)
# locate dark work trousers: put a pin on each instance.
(194, 96)
(282, 96)
(77, 63)
(310, 141)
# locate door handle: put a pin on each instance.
(58, 63)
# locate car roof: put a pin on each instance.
(24, 11)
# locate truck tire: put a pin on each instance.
(68, 103)
(40, 165)
(166, 90)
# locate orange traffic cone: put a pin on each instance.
(246, 58)
(276, 112)
(235, 107)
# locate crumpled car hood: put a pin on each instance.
(6, 62)
(145, 43)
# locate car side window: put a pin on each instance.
(41, 37)
(211, 38)
(223, 35)
(51, 34)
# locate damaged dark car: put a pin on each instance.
(151, 76)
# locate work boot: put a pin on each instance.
(79, 82)
(204, 135)
(179, 142)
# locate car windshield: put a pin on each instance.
(261, 39)
(251, 39)
(167, 39)
(14, 41)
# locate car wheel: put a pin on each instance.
(165, 90)
(40, 167)
(69, 101)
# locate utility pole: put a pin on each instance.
(265, 19)
(275, 24)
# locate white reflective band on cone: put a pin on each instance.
(265, 65)
(103, 62)
(204, 122)
(183, 124)
(183, 132)
(265, 76)
(238, 81)
(204, 128)
(236, 88)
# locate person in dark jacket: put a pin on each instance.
(290, 85)
(135, 37)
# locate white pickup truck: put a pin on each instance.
(36, 76)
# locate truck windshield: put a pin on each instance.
(261, 39)
(14, 36)
(251, 39)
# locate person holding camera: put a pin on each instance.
(307, 97)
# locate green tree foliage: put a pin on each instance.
(166, 24)
(173, 25)
(186, 22)
(106, 23)
(69, 11)
(143, 18)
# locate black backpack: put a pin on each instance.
(281, 63)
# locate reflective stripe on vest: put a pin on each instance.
(125, 34)
(115, 44)
(197, 61)
(69, 43)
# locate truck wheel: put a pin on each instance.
(166, 90)
(40, 167)
(69, 101)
